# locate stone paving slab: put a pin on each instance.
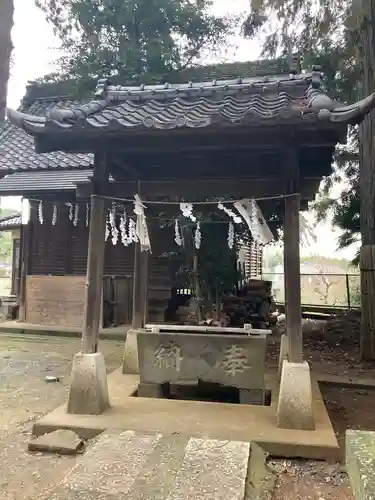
(360, 463)
(139, 466)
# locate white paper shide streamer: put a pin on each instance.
(255, 221)
(124, 236)
(177, 233)
(76, 215)
(87, 215)
(231, 235)
(236, 219)
(112, 222)
(198, 236)
(187, 211)
(141, 229)
(54, 215)
(71, 215)
(40, 212)
(107, 225)
(132, 235)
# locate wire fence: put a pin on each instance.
(321, 289)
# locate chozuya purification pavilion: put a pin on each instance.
(267, 137)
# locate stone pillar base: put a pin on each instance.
(88, 393)
(283, 354)
(130, 364)
(294, 410)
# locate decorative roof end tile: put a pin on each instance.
(316, 77)
(102, 88)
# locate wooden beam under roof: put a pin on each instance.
(201, 189)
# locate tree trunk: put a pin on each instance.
(6, 24)
(364, 16)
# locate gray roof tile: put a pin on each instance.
(17, 150)
(42, 181)
(271, 100)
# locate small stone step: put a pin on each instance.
(139, 466)
(62, 442)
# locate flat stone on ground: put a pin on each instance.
(63, 442)
(139, 466)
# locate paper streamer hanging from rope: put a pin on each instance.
(112, 221)
(177, 233)
(187, 211)
(230, 213)
(141, 225)
(124, 236)
(255, 221)
(132, 235)
(54, 215)
(198, 236)
(107, 225)
(87, 217)
(70, 205)
(40, 213)
(76, 215)
(231, 235)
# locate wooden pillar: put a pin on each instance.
(26, 240)
(95, 261)
(293, 278)
(144, 280)
(285, 284)
(140, 288)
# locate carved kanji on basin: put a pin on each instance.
(234, 361)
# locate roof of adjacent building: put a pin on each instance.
(24, 183)
(10, 221)
(17, 151)
(250, 101)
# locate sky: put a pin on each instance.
(36, 49)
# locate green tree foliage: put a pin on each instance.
(6, 24)
(131, 38)
(340, 32)
(322, 32)
(142, 41)
(215, 270)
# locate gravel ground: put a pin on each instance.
(25, 396)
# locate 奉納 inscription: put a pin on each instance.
(168, 356)
(234, 360)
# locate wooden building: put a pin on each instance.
(54, 257)
(270, 137)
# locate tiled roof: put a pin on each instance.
(17, 150)
(251, 101)
(43, 181)
(10, 221)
